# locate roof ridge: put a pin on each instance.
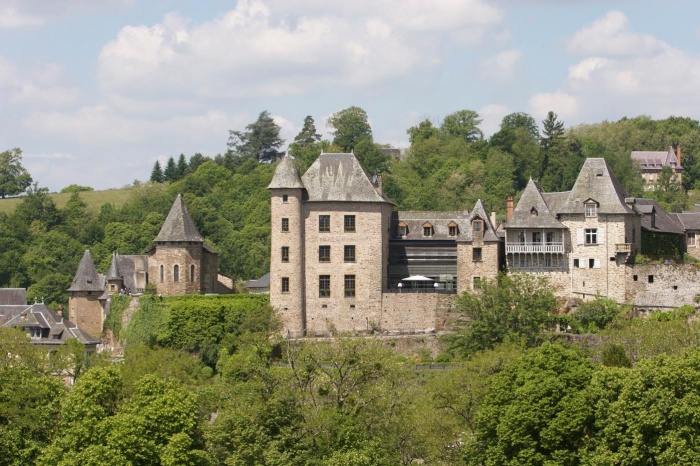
(178, 225)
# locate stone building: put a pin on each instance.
(343, 260)
(652, 162)
(180, 262)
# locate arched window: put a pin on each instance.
(191, 273)
(176, 273)
(162, 274)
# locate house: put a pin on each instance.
(652, 162)
(43, 326)
(259, 286)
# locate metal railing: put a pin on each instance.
(623, 247)
(542, 247)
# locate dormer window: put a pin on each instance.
(591, 210)
(478, 225)
(533, 212)
(453, 229)
(402, 229)
(427, 229)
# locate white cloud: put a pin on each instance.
(26, 13)
(501, 66)
(492, 115)
(563, 104)
(611, 36)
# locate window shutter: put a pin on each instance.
(579, 236)
(596, 263)
(582, 264)
(601, 235)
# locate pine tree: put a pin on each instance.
(171, 170)
(308, 134)
(181, 166)
(157, 173)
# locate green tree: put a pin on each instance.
(463, 124)
(170, 173)
(76, 188)
(308, 134)
(349, 127)
(521, 120)
(371, 157)
(181, 166)
(552, 129)
(157, 175)
(422, 131)
(195, 161)
(14, 178)
(516, 307)
(261, 140)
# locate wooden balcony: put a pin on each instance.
(623, 248)
(543, 247)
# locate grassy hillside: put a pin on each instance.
(93, 199)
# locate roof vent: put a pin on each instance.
(599, 173)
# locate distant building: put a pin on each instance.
(43, 326)
(259, 286)
(652, 162)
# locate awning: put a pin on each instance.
(417, 278)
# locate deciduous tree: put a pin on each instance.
(350, 126)
(14, 178)
(463, 124)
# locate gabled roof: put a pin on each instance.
(532, 210)
(663, 222)
(440, 221)
(38, 315)
(489, 229)
(179, 225)
(286, 175)
(596, 181)
(262, 282)
(340, 177)
(690, 220)
(656, 160)
(86, 278)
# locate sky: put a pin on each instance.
(95, 91)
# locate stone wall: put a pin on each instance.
(183, 255)
(669, 285)
(412, 312)
(85, 311)
(468, 268)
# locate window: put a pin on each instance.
(548, 261)
(176, 273)
(285, 253)
(590, 210)
(324, 253)
(324, 286)
(576, 266)
(453, 231)
(349, 223)
(521, 237)
(536, 237)
(476, 283)
(591, 236)
(349, 286)
(477, 225)
(635, 277)
(591, 263)
(349, 253)
(191, 273)
(427, 229)
(285, 224)
(402, 229)
(476, 254)
(285, 284)
(162, 274)
(650, 279)
(324, 223)
(691, 238)
(549, 237)
(285, 198)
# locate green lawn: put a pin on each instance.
(93, 199)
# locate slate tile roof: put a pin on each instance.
(596, 182)
(86, 278)
(286, 175)
(38, 316)
(533, 211)
(656, 160)
(178, 225)
(10, 296)
(656, 219)
(340, 177)
(414, 221)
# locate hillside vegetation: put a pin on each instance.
(94, 200)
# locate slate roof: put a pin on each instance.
(113, 271)
(597, 182)
(340, 177)
(286, 175)
(489, 229)
(262, 282)
(124, 268)
(656, 160)
(178, 226)
(10, 296)
(414, 221)
(38, 315)
(689, 220)
(533, 211)
(664, 222)
(86, 278)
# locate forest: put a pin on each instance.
(448, 166)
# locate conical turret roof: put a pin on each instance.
(86, 278)
(286, 175)
(179, 225)
(113, 272)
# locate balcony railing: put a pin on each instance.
(623, 247)
(555, 247)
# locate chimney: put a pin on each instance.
(509, 211)
(493, 219)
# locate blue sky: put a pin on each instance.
(94, 91)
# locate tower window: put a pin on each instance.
(285, 198)
(191, 273)
(285, 253)
(285, 224)
(477, 225)
(176, 273)
(324, 286)
(324, 253)
(349, 253)
(591, 236)
(324, 223)
(285, 284)
(349, 286)
(476, 254)
(349, 223)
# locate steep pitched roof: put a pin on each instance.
(179, 225)
(656, 160)
(286, 175)
(597, 182)
(113, 272)
(533, 211)
(340, 177)
(690, 220)
(656, 219)
(38, 315)
(440, 221)
(86, 278)
(489, 229)
(13, 296)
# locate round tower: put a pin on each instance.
(287, 280)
